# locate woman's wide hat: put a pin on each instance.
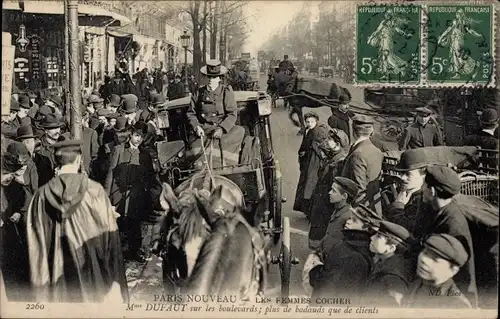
(213, 68)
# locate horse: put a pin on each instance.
(298, 102)
(209, 247)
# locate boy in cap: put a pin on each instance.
(128, 182)
(341, 117)
(438, 263)
(391, 273)
(346, 266)
(447, 217)
(68, 204)
(421, 133)
(363, 163)
(342, 193)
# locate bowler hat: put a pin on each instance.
(15, 157)
(444, 179)
(489, 116)
(448, 248)
(24, 101)
(56, 99)
(68, 145)
(424, 111)
(412, 159)
(393, 231)
(348, 185)
(158, 100)
(344, 99)
(24, 132)
(50, 121)
(121, 124)
(129, 106)
(132, 97)
(213, 68)
(140, 127)
(94, 99)
(114, 100)
(14, 104)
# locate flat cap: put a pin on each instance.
(424, 110)
(412, 159)
(444, 179)
(393, 231)
(348, 185)
(103, 112)
(367, 215)
(94, 99)
(56, 99)
(360, 119)
(448, 248)
(68, 145)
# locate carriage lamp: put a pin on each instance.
(264, 106)
(185, 44)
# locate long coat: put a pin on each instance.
(309, 165)
(363, 165)
(45, 162)
(342, 121)
(129, 179)
(321, 208)
(90, 147)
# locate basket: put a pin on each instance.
(482, 185)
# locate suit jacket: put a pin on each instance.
(416, 136)
(214, 108)
(483, 140)
(363, 165)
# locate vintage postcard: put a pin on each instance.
(249, 159)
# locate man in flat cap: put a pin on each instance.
(439, 262)
(341, 117)
(345, 268)
(213, 114)
(447, 217)
(392, 273)
(77, 210)
(363, 163)
(486, 138)
(342, 193)
(15, 199)
(421, 133)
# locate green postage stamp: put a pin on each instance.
(460, 48)
(388, 44)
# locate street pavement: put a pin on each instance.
(145, 282)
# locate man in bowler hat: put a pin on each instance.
(341, 117)
(45, 162)
(25, 135)
(421, 133)
(486, 138)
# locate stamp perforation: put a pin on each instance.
(395, 3)
(424, 49)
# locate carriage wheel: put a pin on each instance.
(277, 211)
(285, 259)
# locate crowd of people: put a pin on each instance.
(422, 250)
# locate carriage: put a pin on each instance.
(259, 178)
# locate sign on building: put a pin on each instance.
(7, 71)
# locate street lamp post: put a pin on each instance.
(185, 43)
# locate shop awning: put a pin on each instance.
(57, 7)
(129, 31)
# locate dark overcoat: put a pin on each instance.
(416, 136)
(363, 165)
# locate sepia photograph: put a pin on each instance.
(249, 159)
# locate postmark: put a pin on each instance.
(388, 45)
(460, 45)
